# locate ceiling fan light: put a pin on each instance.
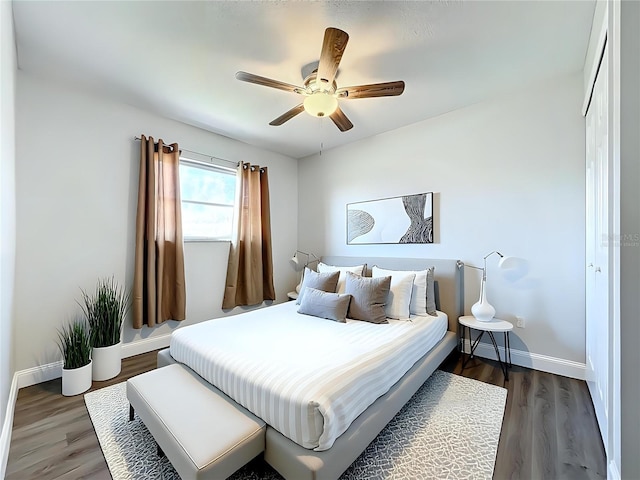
(320, 104)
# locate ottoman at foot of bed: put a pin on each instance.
(204, 433)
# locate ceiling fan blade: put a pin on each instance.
(335, 41)
(386, 89)
(287, 115)
(341, 120)
(267, 82)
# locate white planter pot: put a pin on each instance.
(76, 380)
(107, 362)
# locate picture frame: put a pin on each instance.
(402, 220)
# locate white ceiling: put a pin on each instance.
(178, 59)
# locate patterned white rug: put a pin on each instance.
(448, 430)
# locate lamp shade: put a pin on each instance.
(509, 263)
(320, 104)
(295, 262)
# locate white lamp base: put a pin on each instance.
(483, 311)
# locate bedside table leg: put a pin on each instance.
(463, 347)
(472, 346)
(504, 366)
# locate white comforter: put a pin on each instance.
(307, 377)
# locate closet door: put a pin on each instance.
(599, 241)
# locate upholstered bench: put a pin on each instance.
(204, 433)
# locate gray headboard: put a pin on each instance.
(450, 278)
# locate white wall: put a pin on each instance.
(507, 174)
(76, 187)
(7, 216)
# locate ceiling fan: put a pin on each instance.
(320, 89)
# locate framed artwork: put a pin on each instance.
(406, 219)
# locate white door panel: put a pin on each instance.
(599, 241)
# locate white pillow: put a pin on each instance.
(418, 305)
(324, 268)
(399, 297)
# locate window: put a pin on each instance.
(208, 195)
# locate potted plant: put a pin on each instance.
(75, 345)
(105, 310)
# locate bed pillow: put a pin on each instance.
(423, 298)
(333, 306)
(320, 281)
(357, 269)
(400, 291)
(369, 297)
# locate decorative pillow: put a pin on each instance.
(321, 304)
(369, 297)
(423, 299)
(357, 269)
(321, 281)
(399, 297)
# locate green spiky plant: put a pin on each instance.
(105, 310)
(75, 344)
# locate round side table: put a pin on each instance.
(496, 325)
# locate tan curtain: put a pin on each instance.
(158, 284)
(250, 267)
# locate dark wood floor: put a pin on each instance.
(549, 429)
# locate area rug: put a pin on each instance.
(448, 430)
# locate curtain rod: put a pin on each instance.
(235, 164)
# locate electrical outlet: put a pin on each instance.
(519, 322)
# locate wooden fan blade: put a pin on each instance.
(341, 120)
(287, 115)
(335, 41)
(387, 89)
(267, 82)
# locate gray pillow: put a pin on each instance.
(369, 297)
(431, 293)
(321, 304)
(327, 282)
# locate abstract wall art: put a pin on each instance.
(406, 219)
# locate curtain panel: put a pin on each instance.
(159, 284)
(250, 268)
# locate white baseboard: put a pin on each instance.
(49, 371)
(39, 374)
(145, 345)
(544, 363)
(7, 426)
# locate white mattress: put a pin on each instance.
(307, 377)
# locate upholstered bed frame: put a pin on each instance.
(295, 462)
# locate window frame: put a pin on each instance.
(210, 165)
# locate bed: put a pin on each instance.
(320, 426)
